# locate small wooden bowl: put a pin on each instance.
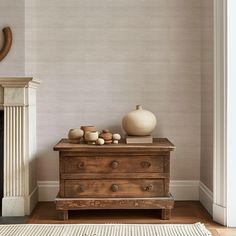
(90, 128)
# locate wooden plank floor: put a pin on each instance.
(184, 213)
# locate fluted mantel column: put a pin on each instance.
(18, 99)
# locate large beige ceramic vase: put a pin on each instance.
(139, 122)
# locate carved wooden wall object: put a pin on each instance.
(7, 42)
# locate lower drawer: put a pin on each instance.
(116, 188)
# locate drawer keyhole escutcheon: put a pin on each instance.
(114, 188)
(146, 164)
(81, 188)
(148, 188)
(114, 164)
(81, 165)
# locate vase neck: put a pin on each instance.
(139, 107)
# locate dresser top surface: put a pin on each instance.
(159, 144)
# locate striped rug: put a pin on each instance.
(197, 229)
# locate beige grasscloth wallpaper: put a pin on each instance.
(98, 59)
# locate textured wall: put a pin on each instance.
(207, 95)
(12, 13)
(98, 59)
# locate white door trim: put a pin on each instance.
(224, 191)
(220, 112)
(231, 113)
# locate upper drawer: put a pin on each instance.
(132, 164)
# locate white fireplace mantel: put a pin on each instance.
(18, 99)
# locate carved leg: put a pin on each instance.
(165, 214)
(63, 215)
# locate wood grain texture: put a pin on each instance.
(104, 164)
(88, 179)
(121, 175)
(159, 144)
(165, 214)
(61, 171)
(122, 188)
(6, 43)
(62, 215)
(114, 203)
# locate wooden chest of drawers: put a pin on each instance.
(115, 176)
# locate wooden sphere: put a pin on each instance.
(116, 136)
(106, 135)
(75, 133)
(100, 141)
(88, 128)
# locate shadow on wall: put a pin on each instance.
(50, 171)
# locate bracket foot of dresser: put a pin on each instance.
(62, 215)
(165, 214)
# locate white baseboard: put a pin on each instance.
(185, 190)
(206, 197)
(182, 190)
(219, 214)
(48, 190)
(31, 201)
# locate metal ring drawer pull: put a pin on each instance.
(81, 188)
(148, 188)
(81, 165)
(114, 164)
(146, 164)
(114, 188)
